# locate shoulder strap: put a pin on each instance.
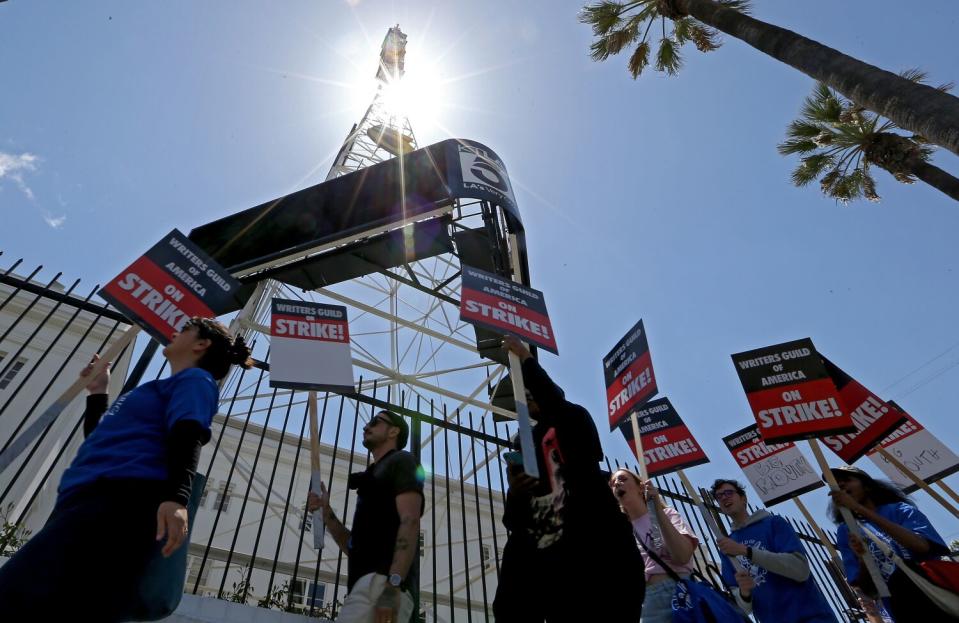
(659, 561)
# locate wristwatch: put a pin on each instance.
(749, 553)
(395, 580)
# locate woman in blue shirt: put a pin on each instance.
(889, 514)
(128, 486)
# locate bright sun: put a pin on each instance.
(418, 95)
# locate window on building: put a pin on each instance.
(194, 572)
(223, 496)
(297, 588)
(18, 364)
(422, 544)
(486, 555)
(316, 595)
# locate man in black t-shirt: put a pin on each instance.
(383, 541)
(570, 555)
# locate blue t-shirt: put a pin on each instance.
(130, 440)
(907, 516)
(777, 598)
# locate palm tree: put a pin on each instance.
(916, 107)
(839, 140)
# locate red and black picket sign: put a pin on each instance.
(172, 282)
(628, 371)
(668, 445)
(790, 392)
(874, 420)
(504, 306)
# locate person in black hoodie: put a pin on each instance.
(567, 536)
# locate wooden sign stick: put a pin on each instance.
(919, 482)
(942, 485)
(316, 477)
(707, 515)
(527, 445)
(51, 413)
(850, 521)
(819, 532)
(643, 472)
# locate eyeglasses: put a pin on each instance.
(725, 493)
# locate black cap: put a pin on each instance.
(398, 421)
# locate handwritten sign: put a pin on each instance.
(778, 472)
(917, 449)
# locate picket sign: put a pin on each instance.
(527, 445)
(690, 490)
(919, 482)
(849, 520)
(316, 476)
(51, 413)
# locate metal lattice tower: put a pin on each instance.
(384, 132)
(404, 322)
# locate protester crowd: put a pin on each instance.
(583, 545)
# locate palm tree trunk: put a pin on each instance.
(937, 178)
(918, 108)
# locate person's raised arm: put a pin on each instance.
(98, 398)
(545, 392)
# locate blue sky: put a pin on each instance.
(660, 198)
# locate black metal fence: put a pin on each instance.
(252, 538)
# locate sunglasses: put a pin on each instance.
(376, 419)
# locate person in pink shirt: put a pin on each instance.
(667, 535)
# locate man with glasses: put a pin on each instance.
(775, 583)
(383, 541)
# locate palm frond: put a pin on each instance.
(619, 39)
(918, 75)
(599, 49)
(822, 105)
(602, 16)
(914, 74)
(683, 30)
(737, 5)
(810, 168)
(869, 185)
(803, 129)
(845, 188)
(668, 58)
(639, 60)
(797, 146)
(705, 38)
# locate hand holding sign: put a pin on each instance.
(97, 384)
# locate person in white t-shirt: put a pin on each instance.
(668, 536)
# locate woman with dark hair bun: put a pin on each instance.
(128, 486)
(889, 514)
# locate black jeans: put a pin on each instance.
(86, 561)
